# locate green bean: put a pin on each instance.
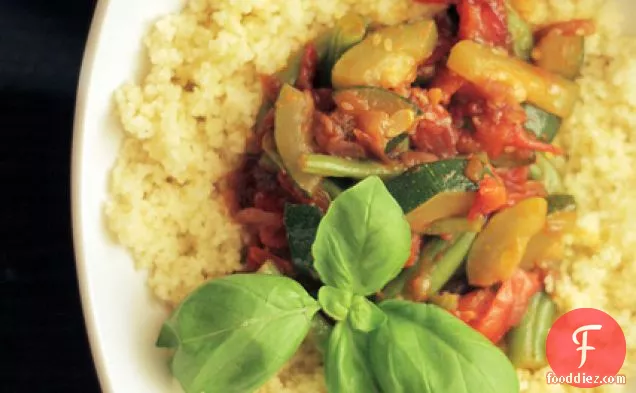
(397, 288)
(526, 342)
(331, 188)
(522, 39)
(439, 269)
(330, 166)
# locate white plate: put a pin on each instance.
(121, 316)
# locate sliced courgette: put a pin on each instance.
(374, 99)
(347, 32)
(542, 124)
(294, 116)
(433, 191)
(560, 54)
(560, 203)
(301, 224)
(398, 144)
(521, 32)
(387, 57)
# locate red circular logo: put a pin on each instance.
(585, 347)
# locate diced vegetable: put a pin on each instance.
(301, 223)
(493, 311)
(480, 64)
(526, 342)
(398, 144)
(545, 171)
(347, 32)
(542, 124)
(561, 202)
(378, 111)
(373, 99)
(387, 57)
(437, 269)
(500, 247)
(547, 244)
(455, 226)
(294, 114)
(433, 191)
(331, 166)
(522, 39)
(560, 54)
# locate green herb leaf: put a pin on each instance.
(346, 362)
(335, 302)
(423, 348)
(234, 333)
(363, 241)
(364, 315)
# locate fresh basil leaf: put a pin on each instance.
(423, 348)
(335, 302)
(363, 241)
(301, 224)
(236, 332)
(364, 315)
(346, 362)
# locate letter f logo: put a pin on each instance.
(583, 344)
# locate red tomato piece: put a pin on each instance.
(494, 312)
(484, 21)
(491, 197)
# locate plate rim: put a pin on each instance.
(81, 97)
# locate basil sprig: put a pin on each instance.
(234, 333)
(363, 240)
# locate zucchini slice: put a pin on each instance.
(374, 99)
(561, 203)
(501, 245)
(387, 57)
(301, 223)
(347, 32)
(398, 144)
(542, 124)
(294, 116)
(560, 54)
(433, 191)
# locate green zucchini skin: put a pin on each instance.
(301, 223)
(542, 124)
(420, 184)
(398, 144)
(560, 202)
